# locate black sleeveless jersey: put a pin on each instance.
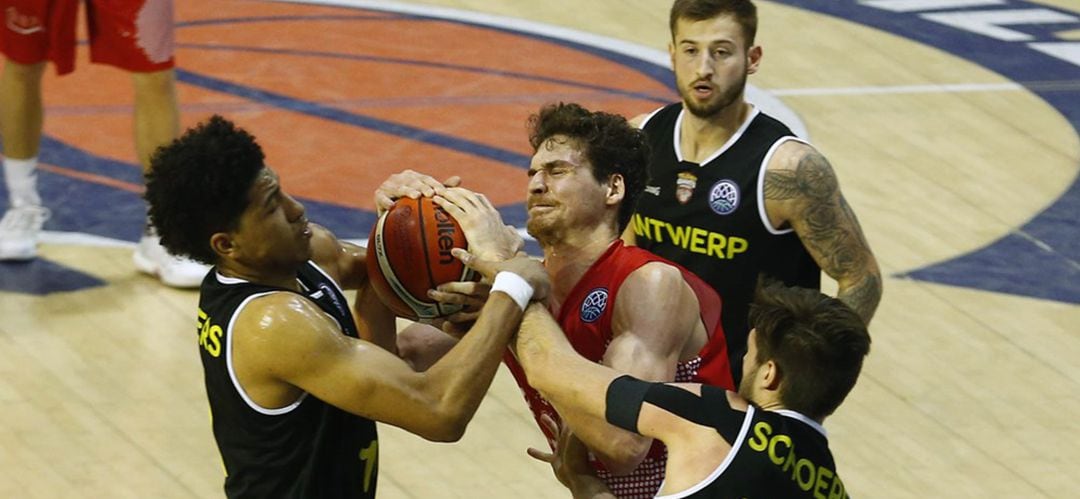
(774, 454)
(710, 217)
(307, 449)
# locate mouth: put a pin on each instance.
(702, 89)
(305, 230)
(540, 207)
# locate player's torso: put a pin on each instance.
(306, 449)
(778, 454)
(710, 217)
(585, 316)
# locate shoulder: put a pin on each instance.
(797, 171)
(657, 290)
(790, 153)
(654, 276)
(335, 256)
(278, 310)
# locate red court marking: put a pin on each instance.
(94, 178)
(327, 161)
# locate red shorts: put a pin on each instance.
(136, 35)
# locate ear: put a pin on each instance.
(616, 189)
(753, 59)
(222, 244)
(771, 376)
(671, 52)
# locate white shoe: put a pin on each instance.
(19, 231)
(150, 257)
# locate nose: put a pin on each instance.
(537, 183)
(293, 208)
(704, 66)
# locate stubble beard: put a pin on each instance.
(711, 108)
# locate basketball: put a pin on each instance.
(409, 253)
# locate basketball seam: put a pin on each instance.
(424, 246)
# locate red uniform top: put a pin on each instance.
(585, 318)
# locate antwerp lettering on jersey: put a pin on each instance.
(690, 238)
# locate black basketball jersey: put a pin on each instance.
(307, 449)
(774, 454)
(710, 217)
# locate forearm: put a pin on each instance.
(374, 321)
(619, 450)
(862, 292)
(460, 379)
(573, 384)
(422, 345)
(590, 487)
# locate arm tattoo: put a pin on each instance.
(828, 228)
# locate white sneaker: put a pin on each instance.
(19, 231)
(150, 257)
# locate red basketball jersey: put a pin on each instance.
(585, 318)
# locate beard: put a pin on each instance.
(546, 232)
(724, 98)
(746, 384)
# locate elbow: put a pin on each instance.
(445, 430)
(625, 455)
(447, 433)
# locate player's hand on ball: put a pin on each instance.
(471, 296)
(489, 238)
(409, 184)
(521, 264)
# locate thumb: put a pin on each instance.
(540, 455)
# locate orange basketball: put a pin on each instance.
(409, 253)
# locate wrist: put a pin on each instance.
(514, 286)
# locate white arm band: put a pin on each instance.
(514, 286)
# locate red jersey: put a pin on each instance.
(585, 318)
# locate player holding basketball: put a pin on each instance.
(733, 193)
(293, 390)
(619, 305)
(133, 35)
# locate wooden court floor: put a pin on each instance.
(966, 393)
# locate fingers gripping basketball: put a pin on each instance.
(409, 254)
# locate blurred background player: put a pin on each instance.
(733, 193)
(133, 35)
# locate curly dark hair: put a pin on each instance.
(612, 146)
(817, 342)
(744, 11)
(198, 185)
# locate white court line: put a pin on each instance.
(81, 239)
(898, 89)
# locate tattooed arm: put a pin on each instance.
(802, 192)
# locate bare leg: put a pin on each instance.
(20, 126)
(21, 114)
(157, 123)
(157, 118)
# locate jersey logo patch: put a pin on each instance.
(724, 197)
(652, 189)
(684, 187)
(594, 305)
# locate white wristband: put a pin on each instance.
(514, 286)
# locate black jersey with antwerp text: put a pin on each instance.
(710, 217)
(306, 449)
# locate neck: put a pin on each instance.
(566, 261)
(700, 137)
(281, 279)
